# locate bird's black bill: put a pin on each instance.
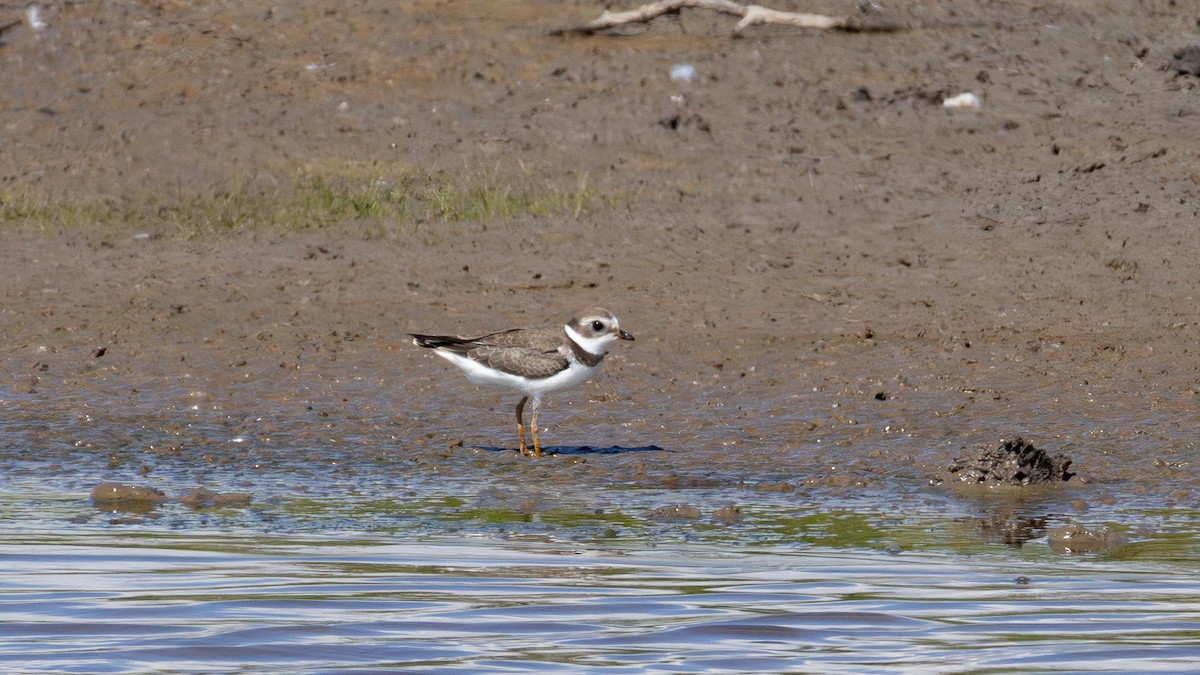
(625, 336)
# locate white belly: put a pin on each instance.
(576, 374)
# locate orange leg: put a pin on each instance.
(521, 428)
(533, 427)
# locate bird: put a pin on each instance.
(534, 361)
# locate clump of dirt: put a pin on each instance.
(203, 498)
(1078, 539)
(728, 515)
(138, 498)
(126, 497)
(674, 512)
(1014, 462)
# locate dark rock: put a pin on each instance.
(1014, 462)
(1186, 61)
(680, 120)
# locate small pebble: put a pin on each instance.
(965, 100)
(683, 72)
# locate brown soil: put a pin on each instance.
(832, 279)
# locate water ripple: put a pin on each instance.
(104, 602)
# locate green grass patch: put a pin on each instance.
(379, 206)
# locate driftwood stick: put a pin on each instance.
(751, 15)
(755, 15)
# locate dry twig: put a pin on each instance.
(751, 15)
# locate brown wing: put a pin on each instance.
(521, 361)
(519, 351)
(537, 339)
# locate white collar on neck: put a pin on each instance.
(594, 346)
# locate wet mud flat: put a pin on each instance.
(835, 258)
(304, 524)
(335, 551)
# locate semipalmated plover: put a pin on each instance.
(534, 361)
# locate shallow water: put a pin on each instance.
(204, 601)
(454, 584)
(371, 543)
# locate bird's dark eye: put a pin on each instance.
(597, 325)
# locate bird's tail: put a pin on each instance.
(437, 341)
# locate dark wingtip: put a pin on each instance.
(439, 341)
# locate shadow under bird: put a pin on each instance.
(534, 361)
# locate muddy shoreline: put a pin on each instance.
(834, 281)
